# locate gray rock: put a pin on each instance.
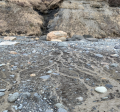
(5, 111)
(59, 105)
(45, 77)
(104, 98)
(2, 94)
(117, 47)
(114, 65)
(114, 55)
(43, 37)
(62, 110)
(99, 55)
(20, 106)
(36, 97)
(26, 95)
(2, 90)
(92, 39)
(48, 111)
(78, 37)
(109, 86)
(13, 97)
(63, 44)
(87, 36)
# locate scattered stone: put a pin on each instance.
(115, 55)
(57, 40)
(55, 73)
(109, 86)
(43, 37)
(92, 39)
(101, 89)
(2, 94)
(62, 110)
(5, 111)
(104, 98)
(87, 36)
(60, 35)
(48, 111)
(63, 44)
(9, 43)
(117, 47)
(49, 72)
(114, 65)
(36, 97)
(32, 75)
(80, 98)
(45, 77)
(2, 90)
(10, 38)
(20, 106)
(36, 38)
(2, 65)
(13, 97)
(99, 55)
(13, 52)
(26, 95)
(59, 105)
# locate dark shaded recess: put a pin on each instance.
(47, 17)
(114, 3)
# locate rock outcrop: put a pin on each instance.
(87, 17)
(99, 18)
(17, 20)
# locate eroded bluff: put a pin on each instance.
(99, 18)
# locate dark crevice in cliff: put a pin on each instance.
(47, 17)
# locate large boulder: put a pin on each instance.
(59, 35)
(17, 20)
(41, 5)
(87, 17)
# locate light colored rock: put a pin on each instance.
(60, 35)
(59, 105)
(56, 40)
(5, 111)
(80, 98)
(2, 94)
(13, 52)
(9, 43)
(101, 89)
(13, 97)
(114, 55)
(62, 110)
(2, 90)
(10, 38)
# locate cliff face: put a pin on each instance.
(99, 18)
(87, 17)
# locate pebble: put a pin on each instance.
(80, 98)
(2, 90)
(59, 105)
(63, 44)
(20, 107)
(36, 96)
(104, 98)
(2, 94)
(5, 111)
(48, 111)
(26, 95)
(117, 47)
(9, 43)
(62, 110)
(101, 89)
(114, 55)
(99, 55)
(13, 97)
(109, 86)
(114, 65)
(45, 77)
